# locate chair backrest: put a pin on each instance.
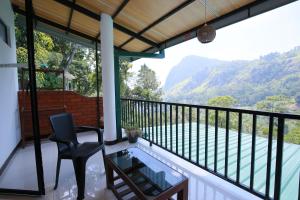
(63, 127)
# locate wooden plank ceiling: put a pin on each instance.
(138, 24)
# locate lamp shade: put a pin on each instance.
(206, 34)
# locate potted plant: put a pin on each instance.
(133, 132)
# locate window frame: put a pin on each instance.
(6, 34)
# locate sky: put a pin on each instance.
(275, 31)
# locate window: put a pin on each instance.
(4, 32)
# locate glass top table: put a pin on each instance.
(150, 175)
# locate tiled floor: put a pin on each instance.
(21, 174)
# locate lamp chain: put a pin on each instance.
(205, 10)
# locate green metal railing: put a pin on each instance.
(213, 138)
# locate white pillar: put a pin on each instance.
(108, 78)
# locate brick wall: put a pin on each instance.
(83, 109)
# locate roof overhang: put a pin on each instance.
(140, 25)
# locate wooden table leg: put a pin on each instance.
(109, 176)
(183, 194)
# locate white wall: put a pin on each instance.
(9, 113)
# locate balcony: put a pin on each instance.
(207, 144)
(223, 156)
(202, 184)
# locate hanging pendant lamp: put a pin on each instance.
(206, 33)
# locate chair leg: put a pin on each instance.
(103, 155)
(102, 171)
(57, 172)
(79, 168)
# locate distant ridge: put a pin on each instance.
(196, 79)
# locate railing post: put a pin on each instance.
(149, 132)
(239, 147)
(227, 143)
(190, 132)
(145, 119)
(151, 140)
(216, 141)
(253, 152)
(176, 122)
(279, 152)
(166, 127)
(182, 126)
(269, 157)
(156, 122)
(171, 130)
(160, 122)
(127, 111)
(138, 113)
(206, 138)
(152, 122)
(198, 135)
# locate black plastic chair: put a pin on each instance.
(64, 134)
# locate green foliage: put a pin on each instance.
(125, 75)
(131, 126)
(21, 55)
(293, 136)
(58, 53)
(246, 81)
(147, 85)
(83, 77)
(270, 83)
(275, 104)
(132, 129)
(222, 101)
(54, 60)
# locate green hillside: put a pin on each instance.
(196, 79)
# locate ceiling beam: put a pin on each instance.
(97, 17)
(79, 9)
(120, 8)
(162, 18)
(56, 25)
(59, 26)
(70, 16)
(135, 35)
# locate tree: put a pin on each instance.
(222, 101)
(147, 85)
(275, 104)
(125, 75)
(58, 53)
(293, 136)
(43, 44)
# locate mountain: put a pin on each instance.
(196, 79)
